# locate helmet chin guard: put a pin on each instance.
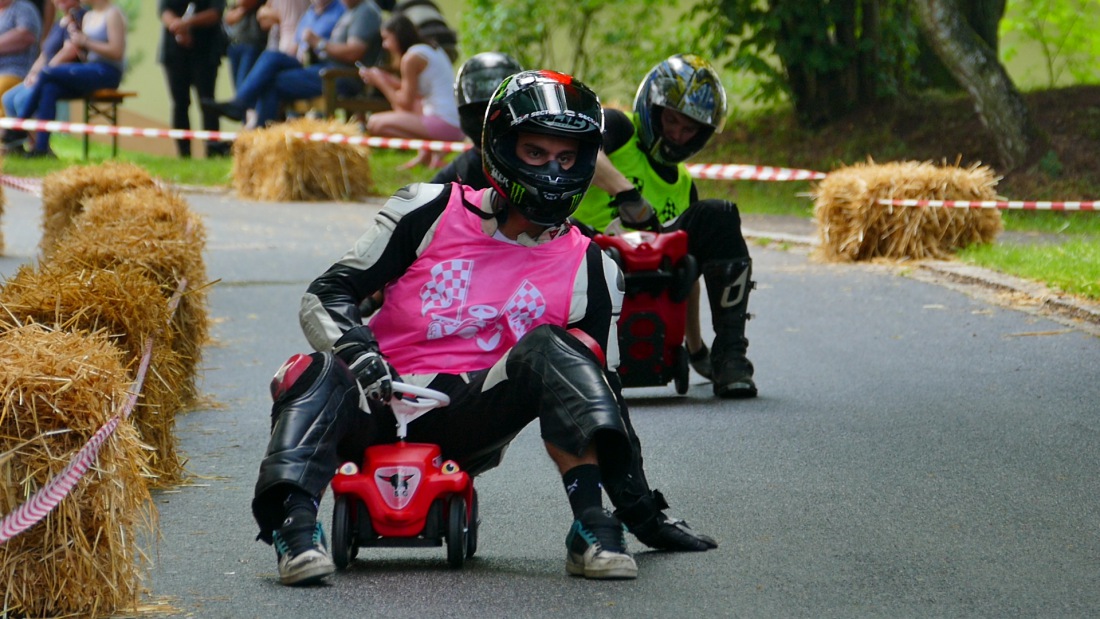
(548, 103)
(689, 85)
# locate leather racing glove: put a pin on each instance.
(635, 211)
(358, 348)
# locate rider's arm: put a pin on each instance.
(597, 302)
(330, 306)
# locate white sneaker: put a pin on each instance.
(596, 547)
(307, 564)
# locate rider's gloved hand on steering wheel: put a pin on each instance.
(360, 351)
(635, 211)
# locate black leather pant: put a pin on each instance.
(549, 375)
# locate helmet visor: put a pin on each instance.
(552, 107)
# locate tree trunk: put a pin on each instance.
(976, 67)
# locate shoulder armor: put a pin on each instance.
(414, 196)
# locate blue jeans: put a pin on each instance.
(14, 99)
(242, 58)
(277, 77)
(66, 81)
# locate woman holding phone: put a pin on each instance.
(422, 97)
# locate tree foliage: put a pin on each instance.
(1065, 32)
(828, 56)
(608, 44)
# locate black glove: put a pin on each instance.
(359, 350)
(635, 211)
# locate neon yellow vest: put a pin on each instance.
(669, 199)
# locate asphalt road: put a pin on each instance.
(914, 452)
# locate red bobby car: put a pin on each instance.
(403, 494)
(659, 276)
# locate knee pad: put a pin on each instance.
(293, 373)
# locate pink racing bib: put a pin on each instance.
(469, 297)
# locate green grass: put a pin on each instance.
(1072, 266)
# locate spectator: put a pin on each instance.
(247, 39)
(100, 40)
(279, 18)
(191, 48)
(422, 97)
(20, 28)
(54, 52)
(48, 14)
(329, 35)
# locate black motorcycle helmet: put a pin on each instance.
(475, 84)
(549, 103)
(687, 84)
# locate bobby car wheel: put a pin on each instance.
(344, 545)
(471, 529)
(682, 368)
(456, 531)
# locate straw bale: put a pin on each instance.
(272, 165)
(65, 192)
(852, 226)
(3, 201)
(83, 559)
(130, 310)
(154, 229)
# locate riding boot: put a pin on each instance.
(728, 286)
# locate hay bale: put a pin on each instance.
(82, 560)
(852, 225)
(129, 309)
(272, 165)
(152, 228)
(65, 192)
(3, 201)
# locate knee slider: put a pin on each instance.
(295, 376)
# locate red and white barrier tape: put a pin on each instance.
(50, 496)
(1081, 205)
(29, 185)
(728, 172)
(699, 170)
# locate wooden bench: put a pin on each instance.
(362, 105)
(103, 104)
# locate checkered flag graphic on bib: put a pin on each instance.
(449, 283)
(526, 304)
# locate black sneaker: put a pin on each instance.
(302, 553)
(597, 548)
(672, 534)
(230, 109)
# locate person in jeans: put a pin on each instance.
(100, 42)
(247, 39)
(54, 52)
(495, 299)
(20, 29)
(330, 34)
